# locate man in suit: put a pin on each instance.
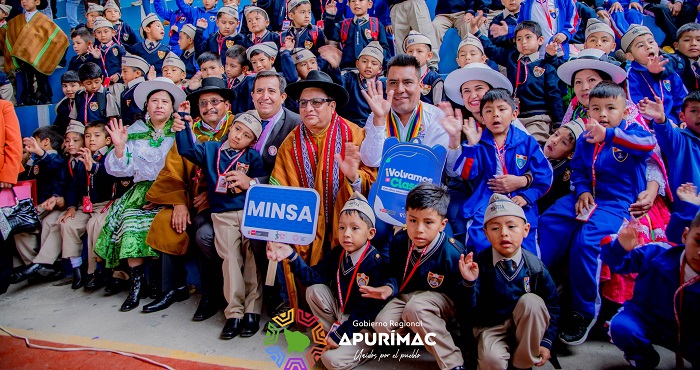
(268, 99)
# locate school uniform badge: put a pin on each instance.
(426, 89)
(538, 71)
(619, 154)
(126, 37)
(362, 279)
(567, 175)
(161, 54)
(368, 34)
(243, 167)
(667, 85)
(526, 284)
(128, 102)
(36, 169)
(520, 160)
(212, 18)
(308, 44)
(94, 106)
(230, 43)
(125, 183)
(115, 51)
(435, 280)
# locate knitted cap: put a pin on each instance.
(294, 3)
(501, 205)
(249, 9)
(359, 203)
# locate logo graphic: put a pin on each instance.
(435, 280)
(619, 154)
(520, 160)
(538, 71)
(303, 350)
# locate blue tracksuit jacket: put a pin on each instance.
(682, 149)
(642, 84)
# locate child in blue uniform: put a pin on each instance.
(510, 289)
(333, 285)
(226, 36)
(83, 40)
(680, 146)
(301, 31)
(641, 49)
(687, 53)
(501, 149)
(354, 34)
(94, 103)
(502, 27)
(608, 171)
(423, 275)
(663, 309)
(237, 66)
(124, 35)
(174, 69)
(258, 21)
(108, 52)
(70, 85)
(194, 13)
(242, 287)
(558, 18)
(188, 53)
(177, 20)
(419, 46)
(536, 83)
(262, 56)
(134, 70)
(151, 49)
(559, 149)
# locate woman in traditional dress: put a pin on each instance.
(139, 151)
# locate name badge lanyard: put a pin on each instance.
(596, 152)
(406, 279)
(545, 8)
(85, 110)
(517, 78)
(220, 40)
(501, 152)
(218, 159)
(677, 309)
(90, 177)
(354, 276)
(103, 57)
(652, 90)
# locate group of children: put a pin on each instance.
(574, 190)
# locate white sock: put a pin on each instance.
(76, 261)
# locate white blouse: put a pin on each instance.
(141, 161)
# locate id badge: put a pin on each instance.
(586, 214)
(333, 328)
(286, 24)
(87, 204)
(221, 185)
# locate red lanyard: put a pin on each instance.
(87, 102)
(119, 34)
(501, 152)
(424, 74)
(103, 55)
(596, 151)
(89, 176)
(354, 275)
(218, 159)
(220, 40)
(677, 309)
(406, 279)
(545, 8)
(517, 77)
(652, 90)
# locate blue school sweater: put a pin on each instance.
(511, 20)
(45, 170)
(96, 108)
(658, 267)
(358, 37)
(125, 35)
(175, 18)
(438, 270)
(682, 150)
(538, 84)
(129, 109)
(250, 40)
(189, 57)
(111, 62)
(480, 163)
(154, 55)
(205, 156)
(356, 110)
(620, 167)
(670, 87)
(243, 101)
(63, 109)
(193, 13)
(102, 184)
(78, 60)
(333, 264)
(310, 37)
(494, 296)
(215, 43)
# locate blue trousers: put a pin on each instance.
(634, 335)
(561, 233)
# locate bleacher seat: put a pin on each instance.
(31, 117)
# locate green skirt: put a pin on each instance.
(126, 228)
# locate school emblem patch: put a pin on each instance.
(526, 284)
(435, 280)
(128, 102)
(362, 279)
(212, 18)
(538, 71)
(520, 160)
(115, 51)
(619, 154)
(368, 34)
(243, 167)
(667, 85)
(125, 183)
(126, 37)
(93, 106)
(308, 44)
(36, 169)
(161, 54)
(230, 43)
(567, 175)
(426, 89)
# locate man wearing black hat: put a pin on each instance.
(328, 146)
(179, 188)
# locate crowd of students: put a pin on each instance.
(572, 139)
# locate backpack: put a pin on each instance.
(345, 28)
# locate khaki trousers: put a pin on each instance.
(73, 229)
(444, 22)
(413, 15)
(242, 283)
(530, 321)
(538, 126)
(431, 309)
(324, 305)
(41, 246)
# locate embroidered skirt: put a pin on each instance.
(124, 233)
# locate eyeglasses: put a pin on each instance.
(213, 102)
(315, 102)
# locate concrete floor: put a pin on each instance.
(60, 314)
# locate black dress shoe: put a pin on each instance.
(25, 273)
(96, 281)
(251, 324)
(231, 329)
(207, 308)
(139, 288)
(177, 295)
(115, 286)
(78, 281)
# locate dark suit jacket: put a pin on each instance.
(283, 127)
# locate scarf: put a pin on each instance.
(305, 153)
